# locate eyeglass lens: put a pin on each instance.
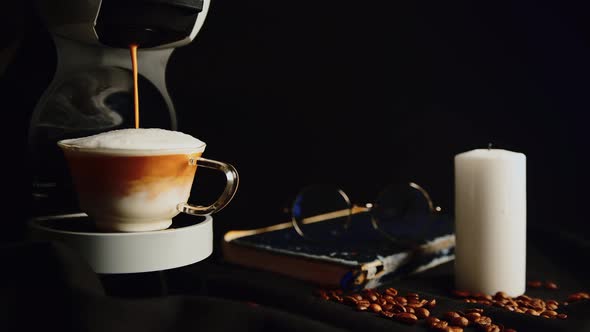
(403, 211)
(321, 203)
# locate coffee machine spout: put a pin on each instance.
(92, 89)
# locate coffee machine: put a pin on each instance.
(92, 92)
(92, 87)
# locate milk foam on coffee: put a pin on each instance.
(152, 139)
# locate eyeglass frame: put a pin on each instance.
(356, 209)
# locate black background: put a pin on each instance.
(359, 94)
(362, 94)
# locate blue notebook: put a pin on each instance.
(358, 258)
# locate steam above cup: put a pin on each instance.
(135, 180)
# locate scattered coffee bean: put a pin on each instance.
(397, 308)
(421, 313)
(401, 300)
(441, 326)
(523, 304)
(410, 308)
(450, 315)
(562, 316)
(492, 328)
(550, 285)
(406, 318)
(483, 321)
(391, 291)
(459, 293)
(578, 296)
(362, 307)
(387, 314)
(431, 304)
(430, 321)
(472, 316)
(374, 307)
(459, 321)
(535, 283)
(350, 300)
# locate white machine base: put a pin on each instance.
(184, 243)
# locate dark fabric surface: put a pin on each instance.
(45, 286)
(551, 255)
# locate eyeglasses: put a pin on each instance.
(402, 213)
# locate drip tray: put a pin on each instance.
(188, 240)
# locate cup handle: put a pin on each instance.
(231, 186)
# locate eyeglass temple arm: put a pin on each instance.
(334, 214)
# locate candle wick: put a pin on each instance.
(489, 146)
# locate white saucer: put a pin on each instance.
(186, 242)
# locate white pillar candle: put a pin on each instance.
(490, 221)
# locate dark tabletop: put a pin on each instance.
(47, 286)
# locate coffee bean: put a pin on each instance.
(459, 293)
(358, 297)
(478, 310)
(472, 316)
(414, 295)
(524, 297)
(401, 300)
(562, 316)
(431, 304)
(533, 312)
(350, 300)
(387, 314)
(397, 308)
(361, 307)
(578, 296)
(492, 328)
(389, 298)
(364, 303)
(430, 321)
(550, 313)
(374, 307)
(449, 315)
(500, 296)
(421, 313)
(406, 318)
(387, 307)
(455, 329)
(483, 321)
(410, 310)
(459, 321)
(534, 283)
(552, 306)
(337, 298)
(391, 291)
(441, 326)
(550, 285)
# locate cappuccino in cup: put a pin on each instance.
(132, 180)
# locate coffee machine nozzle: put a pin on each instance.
(92, 87)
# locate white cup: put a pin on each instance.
(135, 190)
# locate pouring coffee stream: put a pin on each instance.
(133, 51)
